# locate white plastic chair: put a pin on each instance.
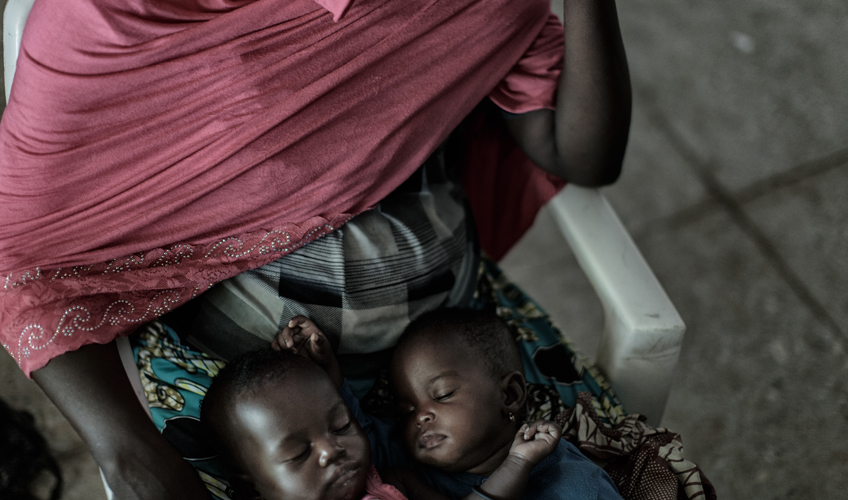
(642, 332)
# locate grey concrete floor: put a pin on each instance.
(735, 187)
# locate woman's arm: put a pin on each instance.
(583, 141)
(91, 389)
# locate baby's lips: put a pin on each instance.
(430, 440)
(343, 475)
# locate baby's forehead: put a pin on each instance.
(432, 341)
(445, 348)
(291, 399)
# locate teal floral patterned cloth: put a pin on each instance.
(563, 386)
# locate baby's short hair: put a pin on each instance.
(483, 332)
(244, 375)
(251, 371)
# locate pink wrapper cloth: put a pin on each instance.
(375, 489)
(152, 149)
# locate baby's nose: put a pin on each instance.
(329, 453)
(424, 417)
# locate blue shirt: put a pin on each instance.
(565, 474)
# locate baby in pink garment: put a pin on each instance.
(284, 428)
(375, 489)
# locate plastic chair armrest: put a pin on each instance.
(643, 331)
(14, 19)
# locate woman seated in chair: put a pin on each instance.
(153, 150)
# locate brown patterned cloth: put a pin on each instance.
(646, 463)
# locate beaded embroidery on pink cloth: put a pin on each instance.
(144, 139)
(99, 302)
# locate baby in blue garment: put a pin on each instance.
(459, 382)
(458, 377)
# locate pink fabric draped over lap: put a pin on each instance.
(152, 149)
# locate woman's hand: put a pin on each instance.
(303, 337)
(535, 441)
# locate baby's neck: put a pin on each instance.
(488, 466)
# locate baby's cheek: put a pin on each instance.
(357, 485)
(359, 447)
(409, 438)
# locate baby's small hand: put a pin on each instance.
(302, 336)
(536, 440)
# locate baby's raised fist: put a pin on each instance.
(536, 440)
(302, 336)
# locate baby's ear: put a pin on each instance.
(514, 390)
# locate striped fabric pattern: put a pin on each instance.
(363, 283)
